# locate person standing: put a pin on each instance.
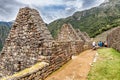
(94, 45)
(100, 44)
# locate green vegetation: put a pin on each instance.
(93, 21)
(4, 30)
(1, 45)
(107, 66)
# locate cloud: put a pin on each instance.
(8, 9)
(41, 3)
(49, 9)
(87, 4)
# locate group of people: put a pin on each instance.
(99, 44)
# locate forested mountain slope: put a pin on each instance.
(93, 21)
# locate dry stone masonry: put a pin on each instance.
(79, 41)
(30, 43)
(67, 33)
(61, 55)
(113, 39)
(25, 42)
(86, 39)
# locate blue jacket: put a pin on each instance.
(100, 44)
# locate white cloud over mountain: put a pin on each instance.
(49, 9)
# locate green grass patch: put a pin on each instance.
(107, 66)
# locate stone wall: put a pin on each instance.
(86, 39)
(25, 43)
(61, 54)
(113, 39)
(30, 42)
(68, 34)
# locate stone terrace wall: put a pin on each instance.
(24, 44)
(113, 39)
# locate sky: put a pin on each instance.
(49, 10)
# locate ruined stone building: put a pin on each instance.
(86, 39)
(24, 42)
(79, 40)
(67, 33)
(30, 42)
(84, 36)
(113, 39)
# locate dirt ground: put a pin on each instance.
(76, 69)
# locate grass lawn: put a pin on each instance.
(107, 66)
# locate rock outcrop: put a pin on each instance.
(113, 39)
